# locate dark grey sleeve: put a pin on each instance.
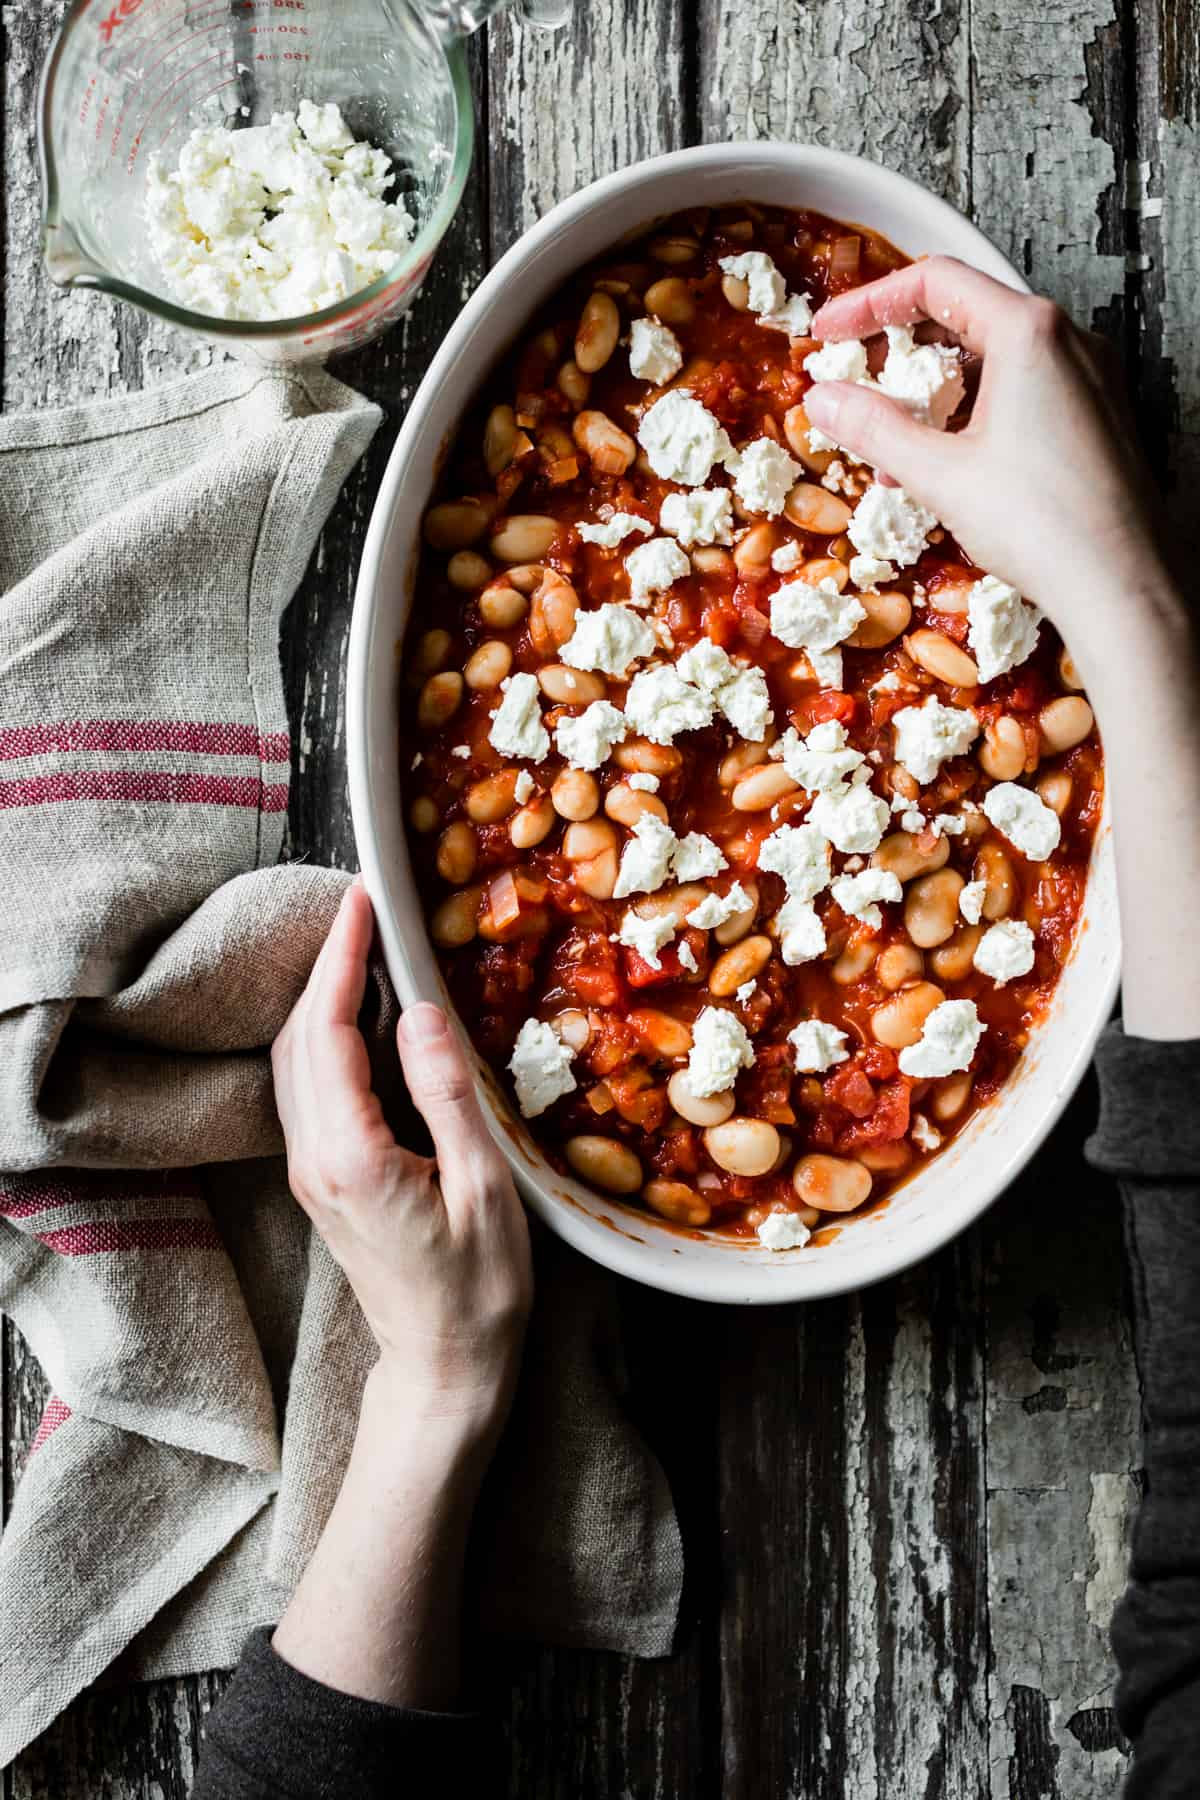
(1149, 1138)
(275, 1734)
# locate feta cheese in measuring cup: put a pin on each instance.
(275, 175)
(277, 220)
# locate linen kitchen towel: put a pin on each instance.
(204, 1352)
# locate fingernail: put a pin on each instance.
(423, 1024)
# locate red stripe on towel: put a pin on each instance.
(24, 1195)
(152, 786)
(190, 736)
(104, 1235)
(57, 1413)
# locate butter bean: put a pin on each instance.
(487, 666)
(743, 1146)
(676, 1201)
(457, 853)
(524, 538)
(931, 907)
(900, 855)
(831, 1183)
(455, 922)
(761, 787)
(942, 658)
(439, 699)
(599, 329)
(744, 962)
(815, 509)
(575, 794)
(493, 798)
(604, 1163)
(712, 1109)
(900, 1020)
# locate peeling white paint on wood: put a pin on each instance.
(1179, 245)
(884, 81)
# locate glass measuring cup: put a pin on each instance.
(130, 79)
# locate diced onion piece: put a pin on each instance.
(504, 899)
(844, 257)
(755, 626)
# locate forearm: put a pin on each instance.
(378, 1610)
(1143, 677)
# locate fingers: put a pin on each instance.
(955, 296)
(880, 432)
(443, 1091)
(326, 1074)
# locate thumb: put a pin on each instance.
(883, 434)
(443, 1091)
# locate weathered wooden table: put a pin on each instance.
(906, 1513)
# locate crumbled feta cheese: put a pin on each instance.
(913, 819)
(741, 693)
(646, 858)
(646, 937)
(745, 992)
(1003, 629)
(866, 572)
(948, 825)
(611, 532)
(925, 379)
(766, 286)
(699, 516)
(887, 524)
(818, 1046)
(274, 221)
(923, 1134)
(783, 1231)
(1027, 822)
(822, 760)
(652, 568)
(794, 316)
(800, 854)
(587, 740)
(825, 666)
(517, 728)
(687, 957)
(696, 857)
(524, 787)
(855, 894)
(948, 1041)
(660, 704)
(540, 1068)
(655, 354)
(787, 557)
(765, 476)
(846, 361)
(852, 818)
(683, 440)
(714, 909)
(645, 784)
(801, 933)
(610, 639)
(970, 901)
(929, 735)
(1005, 951)
(720, 1048)
(814, 618)
(461, 750)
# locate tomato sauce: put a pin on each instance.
(535, 943)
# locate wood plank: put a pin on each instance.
(854, 1650)
(1051, 127)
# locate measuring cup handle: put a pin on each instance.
(459, 18)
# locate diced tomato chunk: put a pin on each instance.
(722, 623)
(641, 974)
(887, 1122)
(850, 1089)
(830, 705)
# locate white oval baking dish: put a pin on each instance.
(956, 1187)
